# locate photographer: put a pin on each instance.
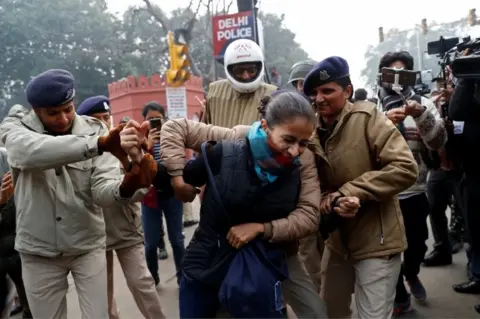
(443, 183)
(465, 107)
(420, 124)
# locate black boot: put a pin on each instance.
(469, 287)
(477, 308)
(438, 258)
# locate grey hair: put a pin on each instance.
(286, 106)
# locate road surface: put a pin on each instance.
(442, 302)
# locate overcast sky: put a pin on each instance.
(343, 28)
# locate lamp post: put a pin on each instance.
(420, 28)
(419, 50)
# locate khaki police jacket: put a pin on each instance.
(228, 108)
(60, 184)
(366, 156)
(123, 223)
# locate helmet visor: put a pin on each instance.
(245, 72)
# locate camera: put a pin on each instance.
(463, 56)
(424, 82)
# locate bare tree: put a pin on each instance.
(211, 7)
(165, 24)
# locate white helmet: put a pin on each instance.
(244, 51)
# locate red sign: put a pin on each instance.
(231, 27)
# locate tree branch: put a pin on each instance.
(190, 24)
(189, 5)
(229, 5)
(158, 15)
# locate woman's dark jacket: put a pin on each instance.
(244, 199)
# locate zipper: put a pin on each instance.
(382, 237)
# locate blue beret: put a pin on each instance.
(51, 88)
(94, 104)
(331, 69)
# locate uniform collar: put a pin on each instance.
(80, 124)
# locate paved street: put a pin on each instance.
(442, 301)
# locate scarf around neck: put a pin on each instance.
(268, 166)
(389, 99)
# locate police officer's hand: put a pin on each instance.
(326, 202)
(183, 192)
(347, 206)
(140, 175)
(396, 115)
(132, 137)
(7, 189)
(240, 235)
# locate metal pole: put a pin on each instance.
(215, 71)
(419, 51)
(255, 28)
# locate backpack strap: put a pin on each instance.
(211, 179)
(212, 185)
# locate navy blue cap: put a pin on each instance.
(51, 88)
(331, 69)
(94, 104)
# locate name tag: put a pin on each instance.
(458, 127)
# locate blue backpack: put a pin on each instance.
(252, 286)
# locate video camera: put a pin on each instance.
(463, 57)
(424, 82)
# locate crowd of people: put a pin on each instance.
(312, 193)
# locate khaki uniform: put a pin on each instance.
(125, 236)
(60, 184)
(367, 157)
(311, 252)
(228, 108)
(299, 291)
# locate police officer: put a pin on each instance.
(125, 235)
(234, 101)
(298, 72)
(361, 156)
(61, 174)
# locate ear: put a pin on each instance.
(264, 125)
(348, 92)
